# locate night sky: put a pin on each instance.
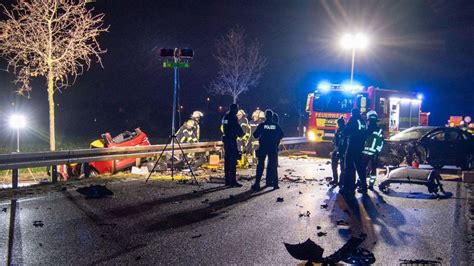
(422, 46)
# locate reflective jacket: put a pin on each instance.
(374, 141)
(244, 124)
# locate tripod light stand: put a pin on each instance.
(177, 55)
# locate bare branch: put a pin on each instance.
(240, 64)
(39, 36)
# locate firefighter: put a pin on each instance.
(242, 142)
(337, 155)
(196, 117)
(186, 133)
(373, 146)
(257, 118)
(269, 135)
(355, 132)
(231, 131)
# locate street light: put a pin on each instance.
(353, 42)
(17, 122)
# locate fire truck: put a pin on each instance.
(397, 110)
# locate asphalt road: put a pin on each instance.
(170, 223)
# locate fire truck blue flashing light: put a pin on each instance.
(419, 96)
(324, 87)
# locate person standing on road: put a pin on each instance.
(231, 131)
(257, 118)
(269, 135)
(337, 155)
(242, 142)
(373, 146)
(355, 131)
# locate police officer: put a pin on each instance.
(337, 155)
(257, 118)
(196, 117)
(242, 142)
(373, 146)
(355, 132)
(269, 135)
(232, 131)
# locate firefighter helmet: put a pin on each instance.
(189, 124)
(372, 115)
(258, 114)
(197, 114)
(241, 112)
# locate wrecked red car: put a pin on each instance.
(125, 139)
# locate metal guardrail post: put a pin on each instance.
(54, 174)
(15, 178)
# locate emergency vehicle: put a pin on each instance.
(396, 110)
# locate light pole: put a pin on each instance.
(353, 42)
(17, 122)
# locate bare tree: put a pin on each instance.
(55, 39)
(240, 64)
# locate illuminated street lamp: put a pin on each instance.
(353, 42)
(17, 122)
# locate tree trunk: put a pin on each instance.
(234, 98)
(52, 132)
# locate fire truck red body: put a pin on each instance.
(397, 110)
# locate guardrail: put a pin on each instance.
(16, 161)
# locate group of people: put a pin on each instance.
(356, 148)
(263, 138)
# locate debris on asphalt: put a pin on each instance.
(205, 201)
(342, 223)
(419, 262)
(38, 223)
(300, 192)
(349, 252)
(40, 244)
(196, 236)
(328, 178)
(318, 227)
(324, 206)
(328, 162)
(321, 234)
(307, 214)
(280, 199)
(308, 251)
(4, 209)
(289, 170)
(360, 256)
(138, 258)
(95, 191)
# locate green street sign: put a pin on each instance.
(175, 64)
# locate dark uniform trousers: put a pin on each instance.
(272, 164)
(353, 163)
(231, 155)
